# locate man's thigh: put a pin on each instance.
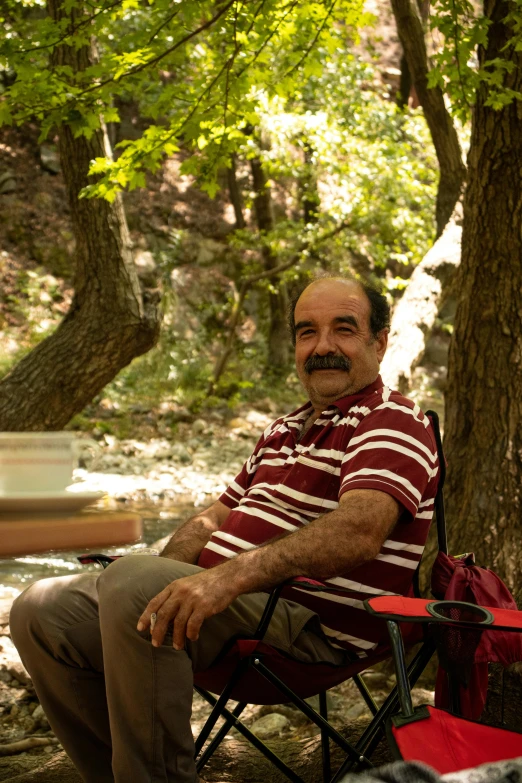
(134, 581)
(62, 613)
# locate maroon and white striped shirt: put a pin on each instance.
(375, 439)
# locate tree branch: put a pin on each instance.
(440, 123)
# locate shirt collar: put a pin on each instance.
(345, 403)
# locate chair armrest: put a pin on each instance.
(317, 586)
(419, 610)
(302, 583)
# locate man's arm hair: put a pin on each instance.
(187, 542)
(332, 544)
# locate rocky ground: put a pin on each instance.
(166, 478)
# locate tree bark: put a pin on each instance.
(414, 317)
(278, 343)
(108, 323)
(310, 199)
(443, 133)
(484, 399)
(236, 761)
(235, 193)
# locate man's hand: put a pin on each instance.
(188, 602)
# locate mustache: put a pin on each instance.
(327, 362)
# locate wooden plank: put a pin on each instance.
(23, 534)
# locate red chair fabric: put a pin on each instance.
(305, 679)
(399, 608)
(449, 743)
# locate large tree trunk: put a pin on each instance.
(484, 399)
(443, 133)
(108, 323)
(414, 317)
(278, 343)
(237, 761)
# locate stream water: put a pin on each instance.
(17, 573)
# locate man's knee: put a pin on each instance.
(51, 604)
(131, 582)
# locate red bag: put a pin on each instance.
(460, 579)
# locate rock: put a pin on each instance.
(271, 725)
(180, 453)
(239, 424)
(258, 420)
(50, 159)
(209, 250)
(5, 676)
(313, 701)
(7, 181)
(164, 452)
(355, 712)
(199, 426)
(39, 717)
(146, 267)
(18, 671)
(392, 76)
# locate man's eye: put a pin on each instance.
(345, 329)
(306, 332)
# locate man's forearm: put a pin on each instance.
(333, 544)
(188, 541)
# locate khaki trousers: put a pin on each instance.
(120, 707)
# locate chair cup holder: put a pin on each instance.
(459, 612)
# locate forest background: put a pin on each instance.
(171, 171)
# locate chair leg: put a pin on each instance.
(255, 741)
(310, 713)
(219, 704)
(325, 739)
(216, 742)
(374, 732)
(365, 693)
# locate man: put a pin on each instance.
(342, 490)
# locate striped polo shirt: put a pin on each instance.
(375, 439)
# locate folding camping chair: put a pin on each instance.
(249, 671)
(440, 738)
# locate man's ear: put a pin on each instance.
(382, 343)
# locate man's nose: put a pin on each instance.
(325, 344)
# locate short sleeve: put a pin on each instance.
(393, 450)
(235, 491)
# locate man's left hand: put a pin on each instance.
(188, 602)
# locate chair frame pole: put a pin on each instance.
(223, 731)
(373, 733)
(310, 713)
(325, 739)
(251, 737)
(219, 705)
(365, 693)
(403, 682)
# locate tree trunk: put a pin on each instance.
(236, 761)
(234, 192)
(278, 343)
(443, 133)
(484, 399)
(310, 198)
(414, 317)
(108, 323)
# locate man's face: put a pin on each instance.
(335, 352)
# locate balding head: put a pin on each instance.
(379, 318)
(336, 350)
